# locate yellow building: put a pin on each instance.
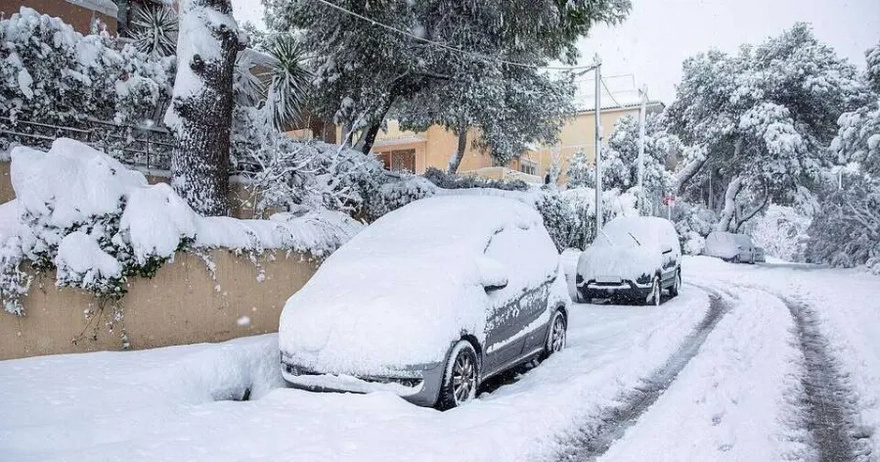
(402, 150)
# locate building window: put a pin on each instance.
(399, 161)
(528, 166)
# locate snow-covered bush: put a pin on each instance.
(452, 181)
(50, 73)
(396, 193)
(846, 231)
(693, 222)
(97, 223)
(287, 174)
(781, 231)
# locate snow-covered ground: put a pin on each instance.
(735, 398)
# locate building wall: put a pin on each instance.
(183, 304)
(80, 17)
(578, 133)
(434, 147)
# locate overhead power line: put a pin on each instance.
(449, 47)
(611, 94)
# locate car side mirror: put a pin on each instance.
(493, 275)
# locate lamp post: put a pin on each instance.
(598, 158)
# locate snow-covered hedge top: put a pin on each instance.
(97, 222)
(400, 291)
(73, 182)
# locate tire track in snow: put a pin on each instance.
(593, 439)
(829, 410)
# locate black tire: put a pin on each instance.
(557, 334)
(460, 381)
(675, 289)
(656, 291)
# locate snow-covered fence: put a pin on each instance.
(148, 147)
(182, 304)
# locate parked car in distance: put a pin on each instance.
(760, 256)
(428, 302)
(730, 247)
(633, 258)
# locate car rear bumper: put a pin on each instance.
(420, 386)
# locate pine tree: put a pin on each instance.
(200, 114)
(363, 70)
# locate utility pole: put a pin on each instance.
(643, 95)
(598, 158)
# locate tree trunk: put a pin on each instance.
(729, 211)
(365, 144)
(200, 115)
(455, 161)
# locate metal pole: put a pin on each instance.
(598, 158)
(643, 93)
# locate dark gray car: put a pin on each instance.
(428, 302)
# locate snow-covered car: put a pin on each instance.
(428, 302)
(760, 256)
(731, 247)
(633, 258)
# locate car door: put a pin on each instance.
(516, 308)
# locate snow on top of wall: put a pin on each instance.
(74, 183)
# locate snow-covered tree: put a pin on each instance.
(761, 121)
(511, 106)
(200, 114)
(620, 161)
(362, 70)
(580, 171)
(154, 29)
(51, 74)
(846, 231)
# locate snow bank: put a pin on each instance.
(95, 219)
(407, 286)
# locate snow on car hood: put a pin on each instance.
(401, 291)
(624, 262)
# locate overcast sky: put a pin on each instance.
(649, 47)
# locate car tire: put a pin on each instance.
(557, 334)
(461, 379)
(676, 285)
(653, 298)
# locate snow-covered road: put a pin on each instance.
(766, 362)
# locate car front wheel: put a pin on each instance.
(557, 335)
(460, 380)
(676, 285)
(654, 296)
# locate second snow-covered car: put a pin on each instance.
(633, 258)
(730, 247)
(428, 302)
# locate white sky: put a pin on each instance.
(649, 47)
(659, 34)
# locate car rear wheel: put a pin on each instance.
(654, 296)
(460, 380)
(557, 335)
(676, 284)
